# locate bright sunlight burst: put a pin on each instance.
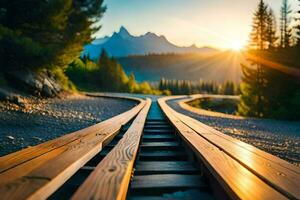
(237, 45)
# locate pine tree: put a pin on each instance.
(253, 86)
(132, 85)
(42, 34)
(271, 30)
(258, 36)
(162, 84)
(285, 31)
(229, 88)
(112, 76)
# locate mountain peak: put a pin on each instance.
(122, 43)
(123, 32)
(150, 34)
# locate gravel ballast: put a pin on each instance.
(43, 120)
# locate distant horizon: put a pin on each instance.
(219, 24)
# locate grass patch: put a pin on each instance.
(228, 106)
(64, 81)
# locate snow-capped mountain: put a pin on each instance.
(122, 44)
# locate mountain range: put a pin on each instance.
(122, 44)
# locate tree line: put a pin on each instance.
(267, 91)
(105, 74)
(179, 87)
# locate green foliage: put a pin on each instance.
(131, 84)
(266, 91)
(258, 36)
(63, 80)
(105, 75)
(228, 106)
(177, 87)
(82, 73)
(229, 88)
(285, 20)
(112, 76)
(252, 100)
(16, 51)
(271, 29)
(39, 34)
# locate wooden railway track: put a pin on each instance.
(148, 152)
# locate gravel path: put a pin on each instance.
(280, 138)
(44, 120)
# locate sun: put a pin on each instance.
(237, 45)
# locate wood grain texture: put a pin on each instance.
(111, 177)
(282, 175)
(19, 157)
(22, 156)
(236, 179)
(183, 104)
(35, 173)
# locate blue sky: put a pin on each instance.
(218, 23)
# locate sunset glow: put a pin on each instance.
(214, 23)
(237, 45)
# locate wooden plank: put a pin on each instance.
(159, 144)
(159, 136)
(166, 181)
(162, 155)
(40, 174)
(168, 167)
(22, 156)
(257, 151)
(160, 126)
(14, 159)
(111, 177)
(158, 131)
(273, 170)
(109, 128)
(152, 122)
(236, 179)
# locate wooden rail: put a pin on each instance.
(244, 171)
(183, 104)
(148, 161)
(111, 177)
(36, 172)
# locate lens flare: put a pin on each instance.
(237, 45)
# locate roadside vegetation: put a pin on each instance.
(185, 87)
(38, 39)
(106, 75)
(228, 106)
(267, 90)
